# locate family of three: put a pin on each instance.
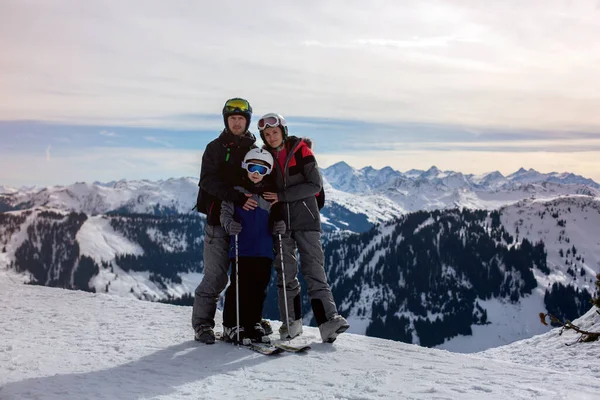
(261, 205)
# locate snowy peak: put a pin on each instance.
(343, 177)
(177, 195)
(413, 173)
(526, 176)
(432, 172)
(565, 178)
(6, 189)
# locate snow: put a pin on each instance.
(581, 216)
(551, 352)
(381, 195)
(429, 221)
(98, 240)
(60, 345)
(7, 190)
(508, 323)
(377, 208)
(138, 196)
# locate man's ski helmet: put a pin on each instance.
(237, 106)
(272, 120)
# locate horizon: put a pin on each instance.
(100, 182)
(134, 90)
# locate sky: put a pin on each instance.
(105, 90)
(132, 349)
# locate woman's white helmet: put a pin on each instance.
(272, 120)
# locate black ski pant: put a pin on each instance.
(254, 277)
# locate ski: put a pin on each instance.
(268, 348)
(291, 347)
(262, 348)
(265, 349)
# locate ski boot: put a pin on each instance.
(266, 325)
(230, 335)
(332, 328)
(257, 334)
(289, 332)
(205, 334)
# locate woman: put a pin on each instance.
(298, 182)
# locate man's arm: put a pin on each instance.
(211, 182)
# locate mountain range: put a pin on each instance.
(531, 235)
(356, 199)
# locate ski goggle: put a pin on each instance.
(271, 121)
(262, 170)
(237, 105)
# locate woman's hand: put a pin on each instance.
(270, 196)
(250, 203)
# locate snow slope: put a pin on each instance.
(550, 349)
(60, 345)
(537, 219)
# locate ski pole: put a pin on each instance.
(237, 291)
(287, 317)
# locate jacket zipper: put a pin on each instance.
(285, 164)
(311, 213)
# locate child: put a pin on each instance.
(253, 231)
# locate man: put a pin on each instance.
(220, 172)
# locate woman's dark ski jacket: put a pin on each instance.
(299, 185)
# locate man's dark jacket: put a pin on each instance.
(221, 171)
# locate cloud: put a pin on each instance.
(446, 62)
(99, 164)
(414, 42)
(108, 133)
(158, 141)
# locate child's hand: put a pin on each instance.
(279, 228)
(234, 228)
(270, 196)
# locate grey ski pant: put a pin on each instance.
(216, 266)
(312, 262)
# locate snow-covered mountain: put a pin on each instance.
(65, 345)
(435, 189)
(145, 197)
(567, 178)
(460, 279)
(139, 256)
(427, 277)
(140, 239)
(6, 190)
(355, 199)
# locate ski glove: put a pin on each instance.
(279, 228)
(234, 228)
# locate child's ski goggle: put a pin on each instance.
(260, 169)
(237, 105)
(271, 121)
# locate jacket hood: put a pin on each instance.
(292, 141)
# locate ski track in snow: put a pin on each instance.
(57, 344)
